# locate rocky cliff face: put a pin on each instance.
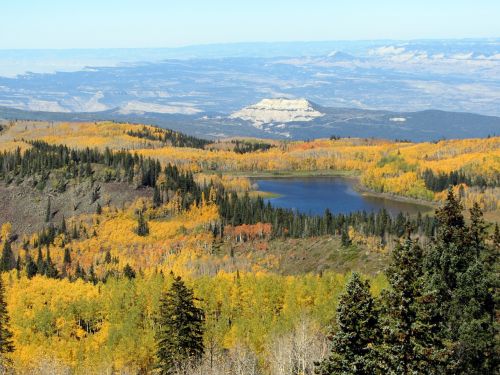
(269, 111)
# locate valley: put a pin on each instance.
(98, 217)
(249, 187)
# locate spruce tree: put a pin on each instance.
(345, 239)
(6, 345)
(31, 268)
(8, 261)
(142, 225)
(50, 268)
(352, 348)
(128, 272)
(496, 237)
(472, 308)
(67, 256)
(74, 232)
(92, 277)
(48, 212)
(80, 272)
(18, 266)
(411, 345)
(107, 257)
(157, 201)
(462, 282)
(63, 228)
(180, 336)
(40, 262)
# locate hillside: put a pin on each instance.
(98, 217)
(383, 166)
(297, 119)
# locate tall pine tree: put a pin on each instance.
(180, 334)
(458, 275)
(410, 345)
(353, 343)
(8, 261)
(142, 225)
(6, 345)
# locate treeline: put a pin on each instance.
(236, 211)
(439, 314)
(43, 158)
(442, 181)
(169, 137)
(243, 147)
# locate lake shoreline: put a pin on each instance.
(290, 174)
(363, 190)
(286, 185)
(351, 175)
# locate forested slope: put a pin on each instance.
(86, 286)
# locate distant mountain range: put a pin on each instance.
(291, 119)
(280, 90)
(409, 76)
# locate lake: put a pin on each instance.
(313, 195)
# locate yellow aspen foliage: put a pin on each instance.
(5, 231)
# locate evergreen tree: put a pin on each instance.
(92, 277)
(63, 228)
(142, 225)
(50, 268)
(462, 283)
(6, 345)
(67, 256)
(18, 266)
(180, 336)
(8, 261)
(345, 239)
(477, 230)
(472, 307)
(74, 232)
(496, 237)
(157, 201)
(98, 209)
(411, 345)
(40, 262)
(128, 272)
(48, 212)
(79, 272)
(31, 269)
(107, 257)
(352, 348)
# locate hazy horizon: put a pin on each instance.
(159, 24)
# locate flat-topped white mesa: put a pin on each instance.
(278, 111)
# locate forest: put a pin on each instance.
(162, 284)
(421, 171)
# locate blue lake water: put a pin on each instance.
(313, 195)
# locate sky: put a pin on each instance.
(63, 24)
